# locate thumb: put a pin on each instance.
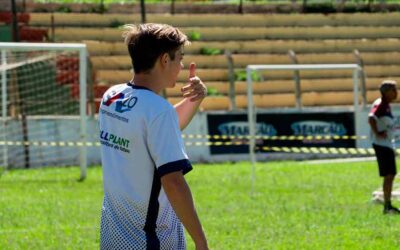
(192, 70)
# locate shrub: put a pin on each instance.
(353, 8)
(64, 9)
(194, 35)
(241, 75)
(41, 9)
(213, 92)
(101, 8)
(210, 51)
(319, 8)
(115, 23)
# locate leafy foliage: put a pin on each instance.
(241, 75)
(64, 9)
(194, 35)
(210, 51)
(116, 23)
(212, 91)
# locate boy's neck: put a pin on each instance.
(385, 99)
(148, 81)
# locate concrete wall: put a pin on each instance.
(241, 34)
(222, 20)
(40, 132)
(265, 46)
(43, 131)
(5, 5)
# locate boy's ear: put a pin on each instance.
(164, 59)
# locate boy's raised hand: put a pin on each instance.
(195, 89)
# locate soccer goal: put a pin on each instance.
(43, 105)
(251, 111)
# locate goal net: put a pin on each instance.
(43, 105)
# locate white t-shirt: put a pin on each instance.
(382, 114)
(141, 142)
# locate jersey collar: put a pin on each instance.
(137, 87)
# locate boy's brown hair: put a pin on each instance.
(146, 42)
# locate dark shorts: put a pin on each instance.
(386, 160)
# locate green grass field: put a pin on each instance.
(296, 205)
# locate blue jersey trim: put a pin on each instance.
(152, 241)
(137, 87)
(183, 165)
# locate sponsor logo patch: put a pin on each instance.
(122, 103)
(314, 128)
(242, 129)
(114, 141)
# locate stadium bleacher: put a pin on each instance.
(26, 33)
(253, 39)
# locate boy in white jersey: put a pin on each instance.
(381, 122)
(146, 197)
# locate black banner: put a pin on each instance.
(281, 124)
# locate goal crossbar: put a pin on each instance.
(42, 46)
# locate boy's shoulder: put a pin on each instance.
(152, 103)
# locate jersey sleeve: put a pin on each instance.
(165, 144)
(375, 110)
(372, 112)
(379, 110)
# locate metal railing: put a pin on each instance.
(296, 79)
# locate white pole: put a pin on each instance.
(4, 106)
(356, 113)
(252, 133)
(355, 82)
(82, 110)
(42, 46)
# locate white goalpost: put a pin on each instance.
(251, 111)
(43, 105)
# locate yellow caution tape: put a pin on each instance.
(304, 150)
(278, 138)
(322, 150)
(189, 143)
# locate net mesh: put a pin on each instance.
(41, 125)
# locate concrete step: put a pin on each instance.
(118, 76)
(242, 60)
(285, 86)
(264, 46)
(283, 100)
(271, 87)
(221, 20)
(242, 34)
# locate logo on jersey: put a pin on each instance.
(114, 141)
(122, 103)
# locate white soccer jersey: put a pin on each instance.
(141, 142)
(383, 116)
